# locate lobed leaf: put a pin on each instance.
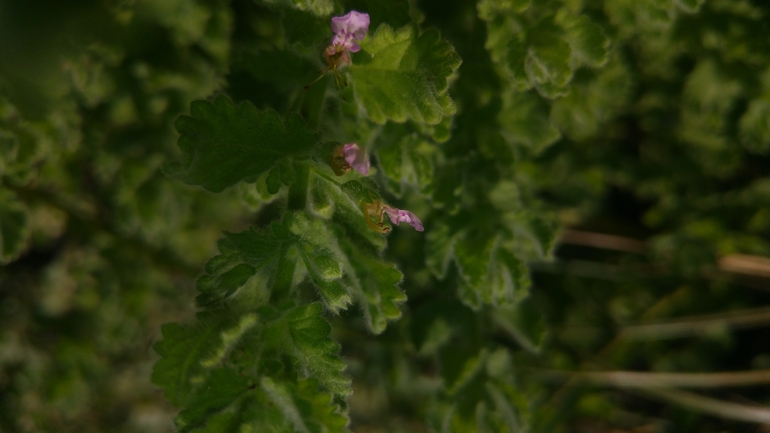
(226, 143)
(525, 121)
(188, 355)
(587, 39)
(305, 409)
(408, 161)
(375, 286)
(404, 75)
(221, 389)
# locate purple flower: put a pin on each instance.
(355, 156)
(348, 29)
(398, 216)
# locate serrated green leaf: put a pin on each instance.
(275, 252)
(304, 407)
(488, 400)
(473, 256)
(440, 249)
(189, 353)
(221, 389)
(303, 333)
(508, 46)
(376, 287)
(404, 75)
(408, 161)
(228, 143)
(241, 256)
(587, 39)
(13, 227)
(535, 233)
(594, 99)
(221, 286)
(548, 62)
(525, 120)
(325, 271)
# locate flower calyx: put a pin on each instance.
(347, 29)
(375, 212)
(349, 156)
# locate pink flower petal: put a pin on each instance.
(398, 216)
(356, 157)
(350, 28)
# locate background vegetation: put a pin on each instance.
(593, 177)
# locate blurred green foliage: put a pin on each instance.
(497, 122)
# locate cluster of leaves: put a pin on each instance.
(492, 120)
(318, 247)
(98, 245)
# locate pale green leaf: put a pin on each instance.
(408, 161)
(525, 121)
(508, 46)
(306, 409)
(404, 75)
(548, 63)
(303, 333)
(587, 39)
(376, 287)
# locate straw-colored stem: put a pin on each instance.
(633, 379)
(712, 406)
(696, 325)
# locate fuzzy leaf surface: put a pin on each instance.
(226, 143)
(404, 75)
